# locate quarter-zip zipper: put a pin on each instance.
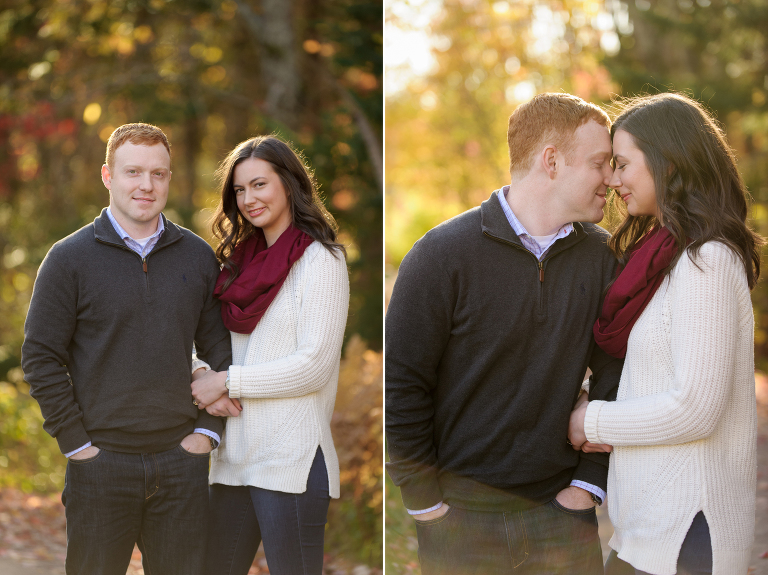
(539, 265)
(143, 260)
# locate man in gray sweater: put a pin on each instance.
(488, 338)
(107, 352)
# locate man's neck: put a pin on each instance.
(533, 211)
(135, 232)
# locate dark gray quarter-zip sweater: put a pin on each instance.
(485, 354)
(108, 339)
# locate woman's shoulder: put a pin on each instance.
(712, 258)
(317, 255)
(712, 253)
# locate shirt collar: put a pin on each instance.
(125, 235)
(517, 225)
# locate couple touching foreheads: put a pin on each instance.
(500, 451)
(117, 309)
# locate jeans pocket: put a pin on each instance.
(436, 520)
(589, 511)
(86, 460)
(190, 454)
(517, 537)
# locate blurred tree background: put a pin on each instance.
(456, 69)
(210, 73)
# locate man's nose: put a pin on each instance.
(613, 180)
(146, 182)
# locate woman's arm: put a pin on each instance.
(321, 321)
(704, 333)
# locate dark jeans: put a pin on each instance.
(292, 526)
(545, 540)
(156, 500)
(695, 554)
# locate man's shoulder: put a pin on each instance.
(190, 240)
(596, 236)
(74, 243)
(458, 229)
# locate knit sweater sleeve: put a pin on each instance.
(706, 298)
(48, 331)
(320, 332)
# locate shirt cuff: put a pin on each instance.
(209, 433)
(71, 453)
(593, 489)
(433, 508)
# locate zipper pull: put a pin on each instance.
(541, 272)
(144, 264)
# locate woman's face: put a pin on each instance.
(261, 197)
(631, 178)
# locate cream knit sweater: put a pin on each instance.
(684, 423)
(285, 374)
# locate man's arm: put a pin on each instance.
(48, 330)
(604, 383)
(418, 325)
(213, 347)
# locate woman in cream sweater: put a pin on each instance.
(681, 483)
(284, 291)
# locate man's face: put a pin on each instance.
(138, 186)
(585, 175)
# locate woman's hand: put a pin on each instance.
(225, 407)
(209, 387)
(589, 447)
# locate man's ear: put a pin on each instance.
(549, 160)
(106, 177)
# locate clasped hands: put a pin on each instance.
(211, 394)
(576, 434)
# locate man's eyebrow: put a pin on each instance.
(134, 166)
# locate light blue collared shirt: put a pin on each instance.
(143, 248)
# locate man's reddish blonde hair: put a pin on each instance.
(138, 134)
(548, 118)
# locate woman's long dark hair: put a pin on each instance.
(307, 210)
(699, 191)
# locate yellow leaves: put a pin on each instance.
(312, 46)
(143, 34)
(105, 132)
(215, 75)
(92, 113)
(210, 54)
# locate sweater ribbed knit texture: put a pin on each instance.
(684, 424)
(285, 374)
